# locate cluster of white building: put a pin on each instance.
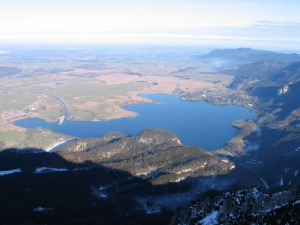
(10, 114)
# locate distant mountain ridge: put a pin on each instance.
(248, 55)
(264, 73)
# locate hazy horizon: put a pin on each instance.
(272, 25)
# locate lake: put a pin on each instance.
(196, 123)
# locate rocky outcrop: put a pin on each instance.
(283, 89)
(248, 206)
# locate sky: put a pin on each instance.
(255, 23)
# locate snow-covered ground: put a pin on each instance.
(210, 219)
(49, 170)
(252, 147)
(296, 173)
(6, 172)
(42, 209)
(264, 183)
(100, 192)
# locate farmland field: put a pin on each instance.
(89, 86)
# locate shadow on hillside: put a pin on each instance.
(45, 188)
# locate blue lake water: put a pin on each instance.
(196, 123)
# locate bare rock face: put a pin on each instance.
(248, 206)
(283, 89)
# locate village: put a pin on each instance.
(221, 96)
(8, 115)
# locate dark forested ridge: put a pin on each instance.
(43, 188)
(114, 179)
(155, 154)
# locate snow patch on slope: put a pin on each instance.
(210, 219)
(264, 183)
(7, 172)
(49, 170)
